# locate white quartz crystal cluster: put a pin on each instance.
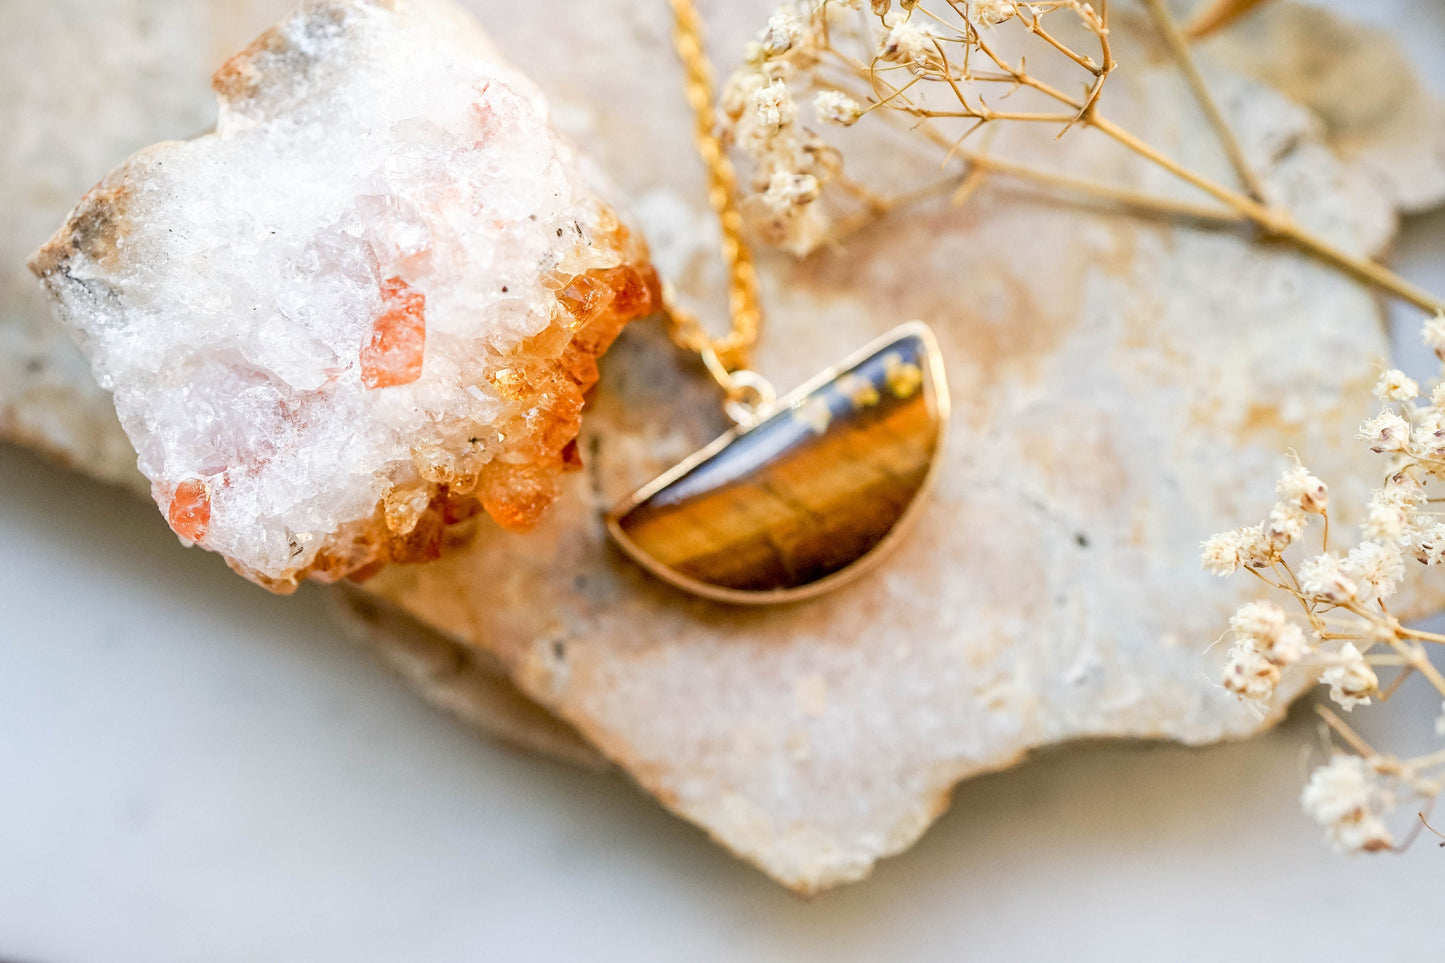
(303, 314)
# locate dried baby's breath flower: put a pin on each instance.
(990, 13)
(1388, 519)
(1386, 432)
(774, 105)
(1428, 544)
(1258, 620)
(1433, 334)
(1221, 553)
(1347, 798)
(1408, 483)
(1427, 439)
(1253, 546)
(1366, 834)
(1264, 626)
(1395, 385)
(1378, 567)
(799, 229)
(787, 190)
(1248, 674)
(1325, 577)
(836, 107)
(1350, 678)
(1285, 526)
(1298, 487)
(737, 93)
(1288, 646)
(1256, 547)
(785, 29)
(907, 43)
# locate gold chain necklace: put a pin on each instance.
(808, 490)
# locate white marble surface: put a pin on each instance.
(193, 770)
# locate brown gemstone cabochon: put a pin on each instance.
(773, 511)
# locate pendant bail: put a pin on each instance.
(748, 394)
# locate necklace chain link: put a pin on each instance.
(729, 354)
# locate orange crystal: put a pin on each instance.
(394, 354)
(517, 490)
(190, 511)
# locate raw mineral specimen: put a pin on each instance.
(365, 306)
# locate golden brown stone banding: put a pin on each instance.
(793, 505)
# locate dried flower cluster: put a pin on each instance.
(1344, 634)
(1347, 796)
(935, 69)
(847, 59)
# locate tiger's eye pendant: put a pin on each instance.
(810, 491)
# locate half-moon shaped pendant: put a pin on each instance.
(808, 495)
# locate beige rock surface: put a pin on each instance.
(1121, 390)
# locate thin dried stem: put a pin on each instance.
(988, 116)
(1428, 762)
(1132, 200)
(972, 181)
(1432, 829)
(1184, 57)
(1034, 22)
(1423, 636)
(1260, 575)
(1100, 24)
(1343, 730)
(1422, 664)
(1137, 202)
(1277, 224)
(1395, 683)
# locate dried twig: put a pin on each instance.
(950, 56)
(1179, 48)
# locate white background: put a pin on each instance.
(191, 770)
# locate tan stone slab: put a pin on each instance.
(1121, 390)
